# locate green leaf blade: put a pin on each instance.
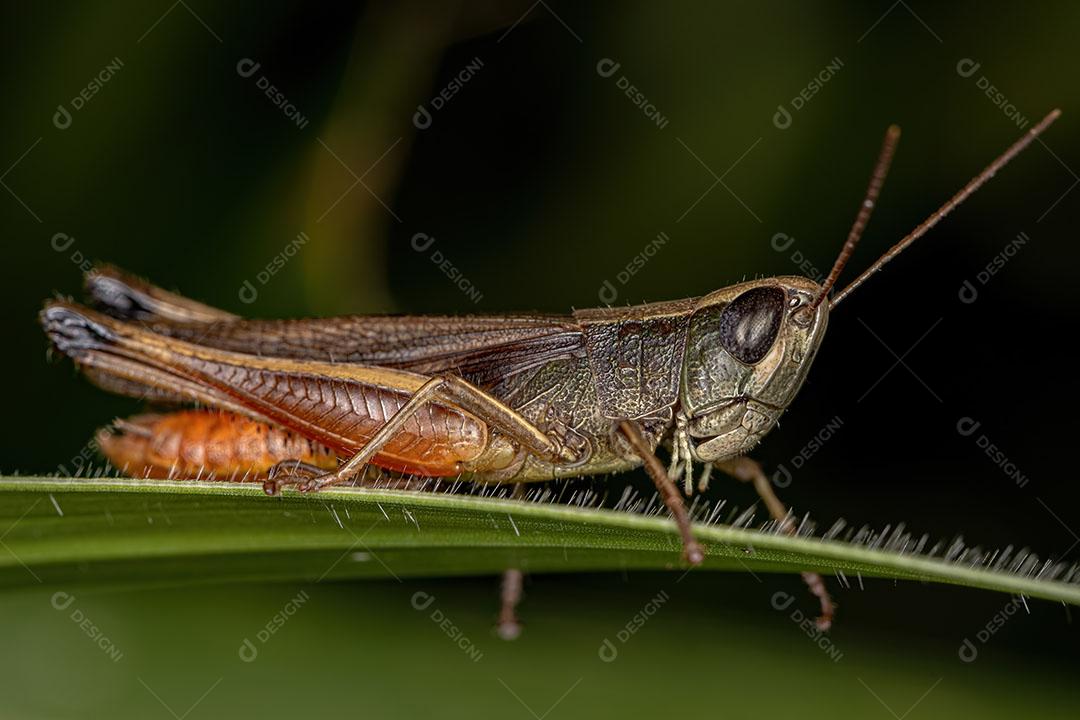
(119, 532)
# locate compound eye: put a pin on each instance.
(748, 326)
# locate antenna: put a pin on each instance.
(976, 182)
(877, 179)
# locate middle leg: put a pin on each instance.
(749, 470)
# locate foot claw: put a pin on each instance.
(300, 483)
(308, 485)
(509, 630)
(303, 477)
(694, 553)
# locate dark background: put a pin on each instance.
(539, 180)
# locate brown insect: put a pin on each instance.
(495, 399)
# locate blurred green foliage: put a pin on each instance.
(539, 180)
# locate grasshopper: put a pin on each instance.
(523, 398)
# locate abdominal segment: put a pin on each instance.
(211, 444)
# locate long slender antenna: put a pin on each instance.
(873, 190)
(976, 182)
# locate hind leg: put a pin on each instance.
(510, 590)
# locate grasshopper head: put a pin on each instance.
(749, 348)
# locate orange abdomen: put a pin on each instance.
(204, 443)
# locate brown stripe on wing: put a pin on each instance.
(482, 349)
